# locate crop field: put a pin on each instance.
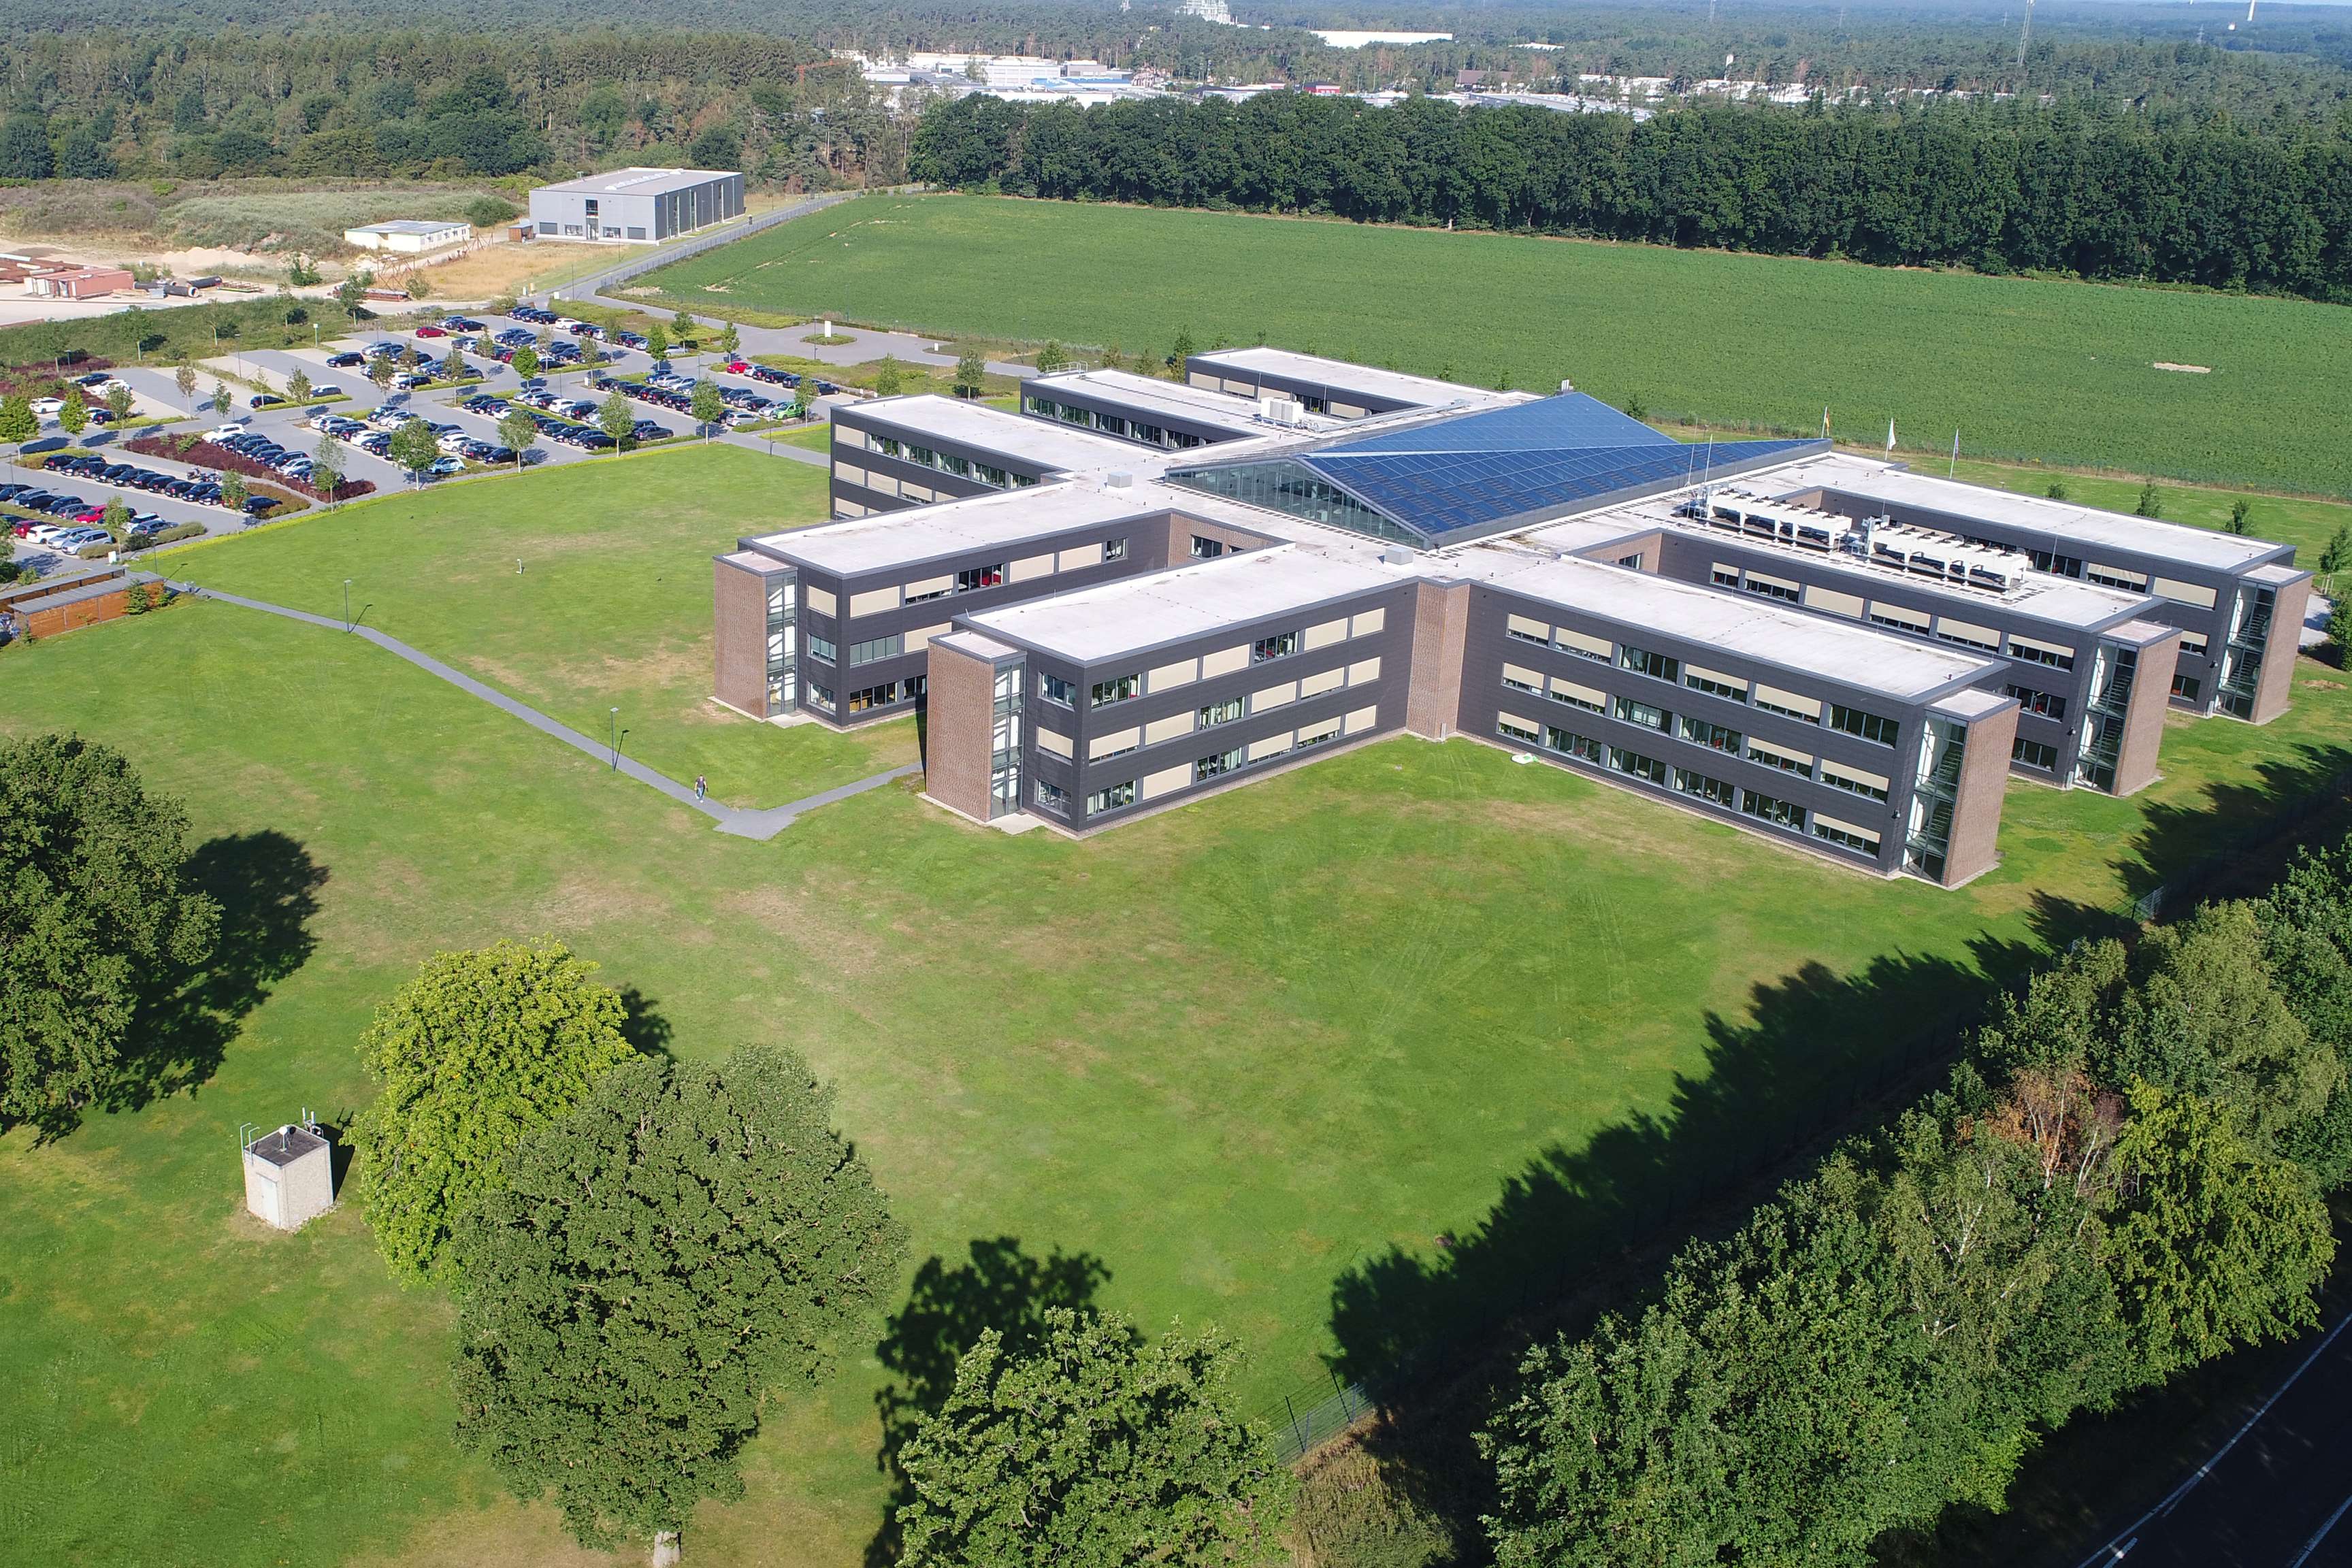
(2057, 371)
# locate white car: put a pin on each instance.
(224, 432)
(49, 532)
(110, 383)
(453, 444)
(48, 407)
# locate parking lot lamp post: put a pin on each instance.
(617, 739)
(347, 604)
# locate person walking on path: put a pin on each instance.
(701, 789)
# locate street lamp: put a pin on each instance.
(347, 605)
(617, 739)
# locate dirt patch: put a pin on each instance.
(501, 1535)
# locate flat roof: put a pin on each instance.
(1422, 390)
(410, 225)
(1143, 613)
(1741, 623)
(285, 1145)
(994, 430)
(2088, 525)
(637, 181)
(1173, 397)
(888, 539)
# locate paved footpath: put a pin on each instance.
(741, 823)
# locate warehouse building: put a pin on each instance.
(1825, 651)
(636, 205)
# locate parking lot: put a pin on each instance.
(563, 398)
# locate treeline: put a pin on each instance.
(2123, 1179)
(1996, 189)
(361, 105)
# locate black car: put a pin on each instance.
(256, 505)
(10, 492)
(497, 455)
(265, 400)
(67, 506)
(347, 361)
(646, 431)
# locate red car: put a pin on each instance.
(431, 332)
(737, 367)
(95, 514)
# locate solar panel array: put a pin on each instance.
(1553, 424)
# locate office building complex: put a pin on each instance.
(1135, 592)
(636, 205)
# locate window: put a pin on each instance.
(821, 649)
(1640, 767)
(876, 696)
(635, 232)
(2049, 704)
(2048, 561)
(1713, 791)
(927, 594)
(1847, 839)
(877, 647)
(1772, 588)
(1773, 758)
(1697, 682)
(1657, 665)
(1149, 435)
(1207, 549)
(959, 466)
(1223, 763)
(1634, 561)
(1575, 745)
(1869, 726)
(1112, 797)
(1525, 630)
(1576, 695)
(992, 475)
(823, 695)
(1627, 710)
(1726, 577)
(2040, 653)
(2034, 755)
(1114, 549)
(1111, 423)
(1280, 646)
(1514, 678)
(2187, 688)
(1056, 690)
(1778, 812)
(887, 446)
(974, 579)
(1223, 712)
(922, 455)
(1714, 737)
(1968, 637)
(1837, 778)
(1052, 797)
(2117, 577)
(1117, 688)
(1515, 729)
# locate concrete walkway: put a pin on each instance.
(741, 823)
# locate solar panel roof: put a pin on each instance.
(1569, 421)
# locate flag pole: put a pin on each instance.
(1953, 471)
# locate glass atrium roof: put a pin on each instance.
(1453, 480)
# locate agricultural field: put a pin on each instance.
(2026, 369)
(1255, 1056)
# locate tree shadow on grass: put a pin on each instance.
(267, 885)
(1577, 1231)
(2236, 838)
(1002, 1287)
(643, 1026)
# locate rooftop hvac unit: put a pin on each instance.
(1281, 411)
(1119, 479)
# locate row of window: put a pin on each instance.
(1714, 737)
(1113, 797)
(949, 463)
(1716, 792)
(1126, 429)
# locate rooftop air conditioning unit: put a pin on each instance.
(1119, 479)
(1281, 411)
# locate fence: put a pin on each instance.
(1310, 1415)
(2186, 886)
(621, 272)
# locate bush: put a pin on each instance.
(488, 212)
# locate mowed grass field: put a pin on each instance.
(2030, 369)
(1236, 1052)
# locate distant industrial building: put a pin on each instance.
(409, 236)
(78, 282)
(1135, 592)
(636, 205)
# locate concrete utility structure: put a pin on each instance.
(409, 236)
(289, 1177)
(1135, 592)
(636, 205)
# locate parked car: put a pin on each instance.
(48, 407)
(375, 443)
(632, 340)
(348, 360)
(256, 505)
(330, 390)
(265, 400)
(461, 324)
(432, 331)
(444, 466)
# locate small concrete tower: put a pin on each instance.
(289, 1176)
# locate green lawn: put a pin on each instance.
(1235, 1051)
(578, 589)
(2033, 369)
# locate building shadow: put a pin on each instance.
(1436, 1338)
(267, 885)
(1001, 1287)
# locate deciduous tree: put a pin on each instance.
(93, 897)
(686, 1242)
(413, 446)
(477, 1051)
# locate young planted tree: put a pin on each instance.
(381, 370)
(116, 521)
(707, 405)
(689, 1241)
(1094, 1448)
(886, 380)
(477, 1051)
(119, 404)
(18, 423)
(970, 371)
(1181, 351)
(1051, 359)
(618, 420)
(2238, 511)
(73, 417)
(409, 357)
(420, 286)
(657, 341)
(183, 377)
(328, 465)
(520, 431)
(2150, 503)
(2336, 556)
(413, 448)
(234, 493)
(97, 899)
(220, 398)
(683, 327)
(526, 361)
(729, 340)
(298, 386)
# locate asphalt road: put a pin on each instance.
(2278, 1494)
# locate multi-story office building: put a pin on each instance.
(1102, 621)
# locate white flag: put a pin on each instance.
(1890, 433)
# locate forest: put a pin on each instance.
(1997, 188)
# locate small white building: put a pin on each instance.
(410, 236)
(289, 1177)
